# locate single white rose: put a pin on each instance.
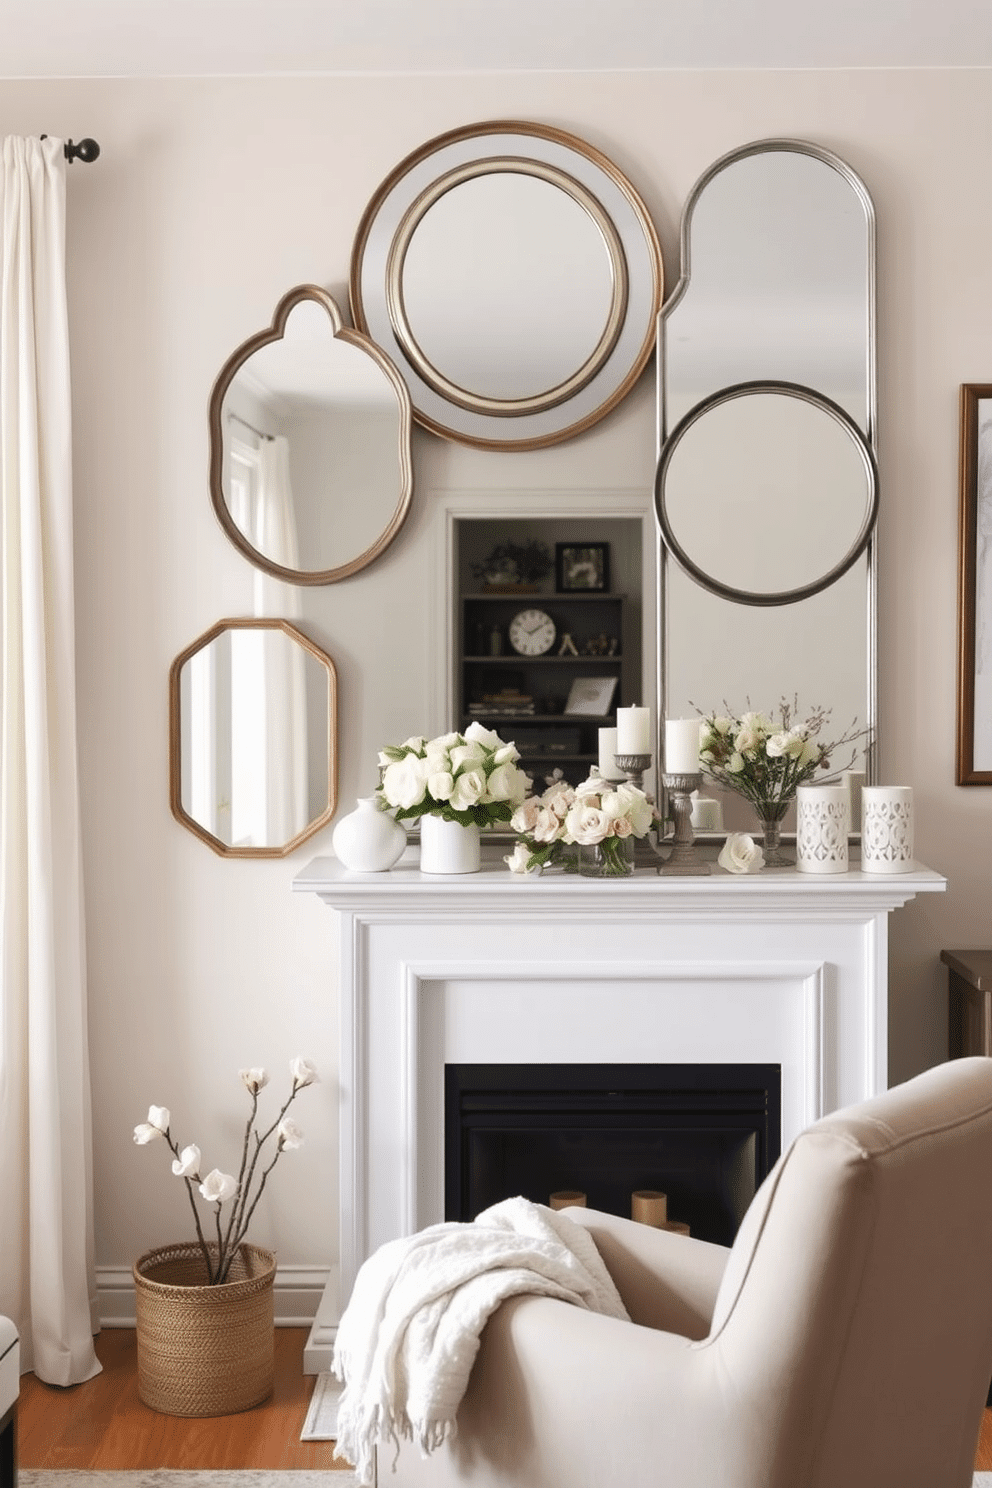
(586, 823)
(159, 1117)
(524, 819)
(445, 741)
(414, 744)
(466, 757)
(468, 791)
(547, 826)
(437, 759)
(517, 860)
(735, 764)
(612, 804)
(590, 787)
(145, 1132)
(558, 798)
(637, 809)
(218, 1187)
(405, 782)
(777, 745)
(722, 724)
(509, 754)
(504, 783)
(289, 1134)
(304, 1072)
(188, 1163)
(254, 1079)
(741, 854)
(440, 785)
(747, 741)
(476, 734)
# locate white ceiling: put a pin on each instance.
(115, 38)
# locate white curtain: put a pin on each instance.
(46, 1225)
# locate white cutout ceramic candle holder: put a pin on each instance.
(823, 821)
(887, 829)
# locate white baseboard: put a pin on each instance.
(297, 1294)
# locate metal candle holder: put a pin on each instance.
(684, 857)
(633, 766)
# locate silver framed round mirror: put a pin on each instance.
(513, 273)
(253, 738)
(766, 493)
(311, 474)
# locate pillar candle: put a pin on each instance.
(681, 746)
(633, 731)
(607, 755)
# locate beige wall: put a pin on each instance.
(210, 199)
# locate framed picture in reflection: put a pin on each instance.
(582, 566)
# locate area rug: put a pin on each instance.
(178, 1478)
(321, 1423)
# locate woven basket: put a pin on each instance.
(204, 1350)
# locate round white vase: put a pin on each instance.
(368, 839)
(448, 847)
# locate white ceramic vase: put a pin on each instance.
(823, 821)
(368, 839)
(887, 829)
(448, 847)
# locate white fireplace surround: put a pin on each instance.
(777, 968)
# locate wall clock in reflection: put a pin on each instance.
(532, 632)
(513, 274)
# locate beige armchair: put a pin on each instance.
(845, 1341)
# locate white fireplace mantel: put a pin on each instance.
(778, 967)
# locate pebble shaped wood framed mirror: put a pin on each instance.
(253, 738)
(767, 483)
(514, 275)
(310, 466)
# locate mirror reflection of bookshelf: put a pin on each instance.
(527, 698)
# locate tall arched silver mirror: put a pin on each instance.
(253, 728)
(310, 467)
(767, 487)
(513, 273)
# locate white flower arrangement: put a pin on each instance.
(217, 1187)
(598, 813)
(468, 778)
(765, 760)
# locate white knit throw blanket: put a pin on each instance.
(410, 1334)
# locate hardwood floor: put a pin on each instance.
(983, 1458)
(103, 1424)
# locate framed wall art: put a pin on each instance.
(974, 742)
(582, 566)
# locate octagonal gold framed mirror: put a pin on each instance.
(253, 738)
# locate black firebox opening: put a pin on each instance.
(706, 1135)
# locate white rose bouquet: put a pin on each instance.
(767, 760)
(596, 813)
(468, 778)
(217, 1187)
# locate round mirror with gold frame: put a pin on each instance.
(513, 273)
(311, 473)
(253, 738)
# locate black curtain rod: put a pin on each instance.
(86, 150)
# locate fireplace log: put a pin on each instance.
(566, 1198)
